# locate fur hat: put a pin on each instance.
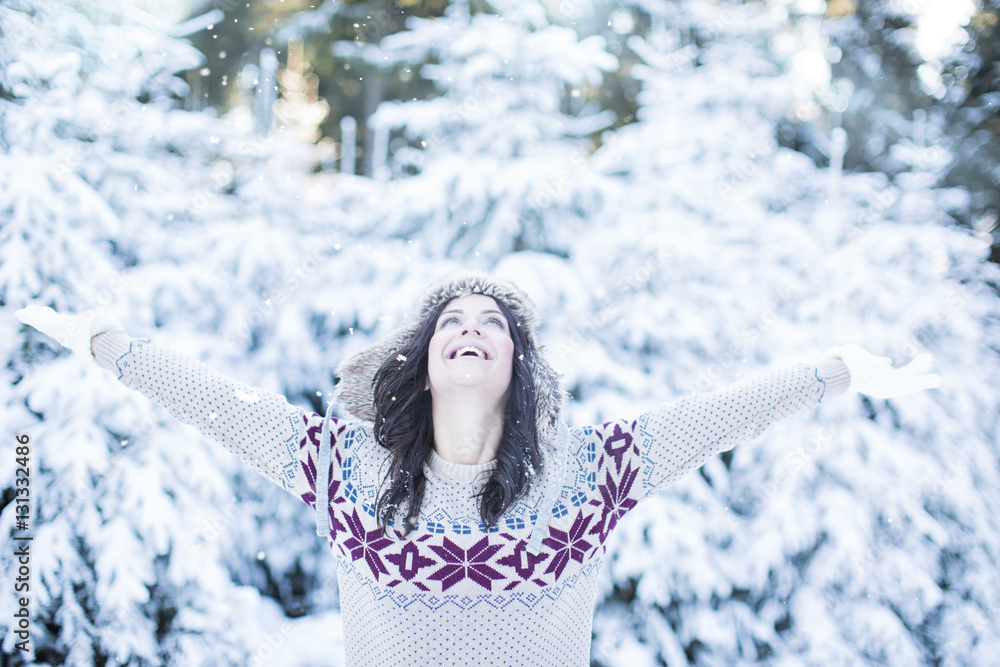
(355, 392)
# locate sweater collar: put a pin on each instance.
(552, 475)
(458, 471)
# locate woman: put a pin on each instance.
(461, 405)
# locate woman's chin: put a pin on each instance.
(477, 380)
(467, 381)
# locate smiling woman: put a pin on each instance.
(469, 410)
(497, 556)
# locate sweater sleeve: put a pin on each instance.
(278, 440)
(627, 460)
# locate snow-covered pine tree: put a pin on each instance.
(906, 64)
(864, 530)
(499, 161)
(717, 253)
(973, 119)
(151, 543)
(752, 264)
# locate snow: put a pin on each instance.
(687, 252)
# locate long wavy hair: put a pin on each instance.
(404, 425)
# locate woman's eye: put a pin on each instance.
(492, 318)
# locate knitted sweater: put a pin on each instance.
(452, 592)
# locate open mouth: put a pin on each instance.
(469, 351)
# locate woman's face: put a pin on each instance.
(472, 321)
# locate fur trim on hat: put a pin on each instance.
(355, 391)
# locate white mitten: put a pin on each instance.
(72, 331)
(874, 376)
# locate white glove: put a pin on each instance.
(72, 331)
(874, 376)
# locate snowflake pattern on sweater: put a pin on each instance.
(454, 592)
(603, 484)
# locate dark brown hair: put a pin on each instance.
(404, 426)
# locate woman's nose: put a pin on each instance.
(471, 326)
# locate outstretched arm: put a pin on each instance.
(677, 437)
(629, 459)
(277, 439)
(259, 427)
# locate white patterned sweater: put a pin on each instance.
(452, 592)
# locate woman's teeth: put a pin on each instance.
(465, 350)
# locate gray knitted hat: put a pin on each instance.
(355, 392)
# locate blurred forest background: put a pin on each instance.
(691, 190)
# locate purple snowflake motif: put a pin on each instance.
(336, 528)
(472, 564)
(366, 544)
(409, 562)
(568, 545)
(619, 442)
(309, 467)
(524, 564)
(615, 501)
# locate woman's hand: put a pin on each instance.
(72, 331)
(874, 376)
